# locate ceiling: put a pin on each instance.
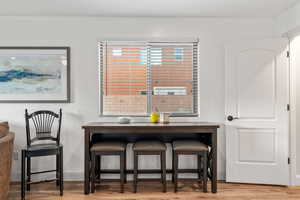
(146, 8)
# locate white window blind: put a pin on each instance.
(137, 78)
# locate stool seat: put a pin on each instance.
(109, 146)
(189, 145)
(149, 146)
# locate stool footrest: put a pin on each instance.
(107, 180)
(43, 181)
(40, 172)
(147, 171)
(148, 179)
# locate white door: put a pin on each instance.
(257, 134)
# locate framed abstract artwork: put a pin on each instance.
(35, 74)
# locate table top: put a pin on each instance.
(151, 125)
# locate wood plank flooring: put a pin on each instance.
(152, 191)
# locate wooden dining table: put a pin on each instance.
(203, 131)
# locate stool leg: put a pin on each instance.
(99, 171)
(161, 168)
(172, 166)
(175, 171)
(61, 171)
(97, 168)
(28, 173)
(199, 159)
(163, 164)
(93, 172)
(135, 167)
(204, 172)
(23, 175)
(122, 177)
(125, 166)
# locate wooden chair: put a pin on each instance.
(190, 147)
(43, 143)
(106, 148)
(150, 148)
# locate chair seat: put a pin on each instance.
(149, 146)
(39, 147)
(189, 145)
(109, 146)
(45, 149)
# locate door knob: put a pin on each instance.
(230, 118)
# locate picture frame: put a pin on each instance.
(35, 74)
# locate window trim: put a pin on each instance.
(196, 67)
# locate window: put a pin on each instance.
(178, 53)
(155, 56)
(117, 52)
(169, 90)
(137, 78)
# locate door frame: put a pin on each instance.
(293, 178)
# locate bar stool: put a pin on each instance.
(106, 148)
(190, 147)
(150, 148)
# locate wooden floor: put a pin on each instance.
(152, 191)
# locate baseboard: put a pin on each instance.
(297, 180)
(79, 176)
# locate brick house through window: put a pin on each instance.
(138, 78)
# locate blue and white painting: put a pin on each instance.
(36, 74)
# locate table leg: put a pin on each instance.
(214, 162)
(87, 161)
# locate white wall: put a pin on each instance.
(289, 21)
(82, 34)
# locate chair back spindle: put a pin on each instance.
(43, 122)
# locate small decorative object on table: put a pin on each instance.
(124, 120)
(154, 117)
(164, 118)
